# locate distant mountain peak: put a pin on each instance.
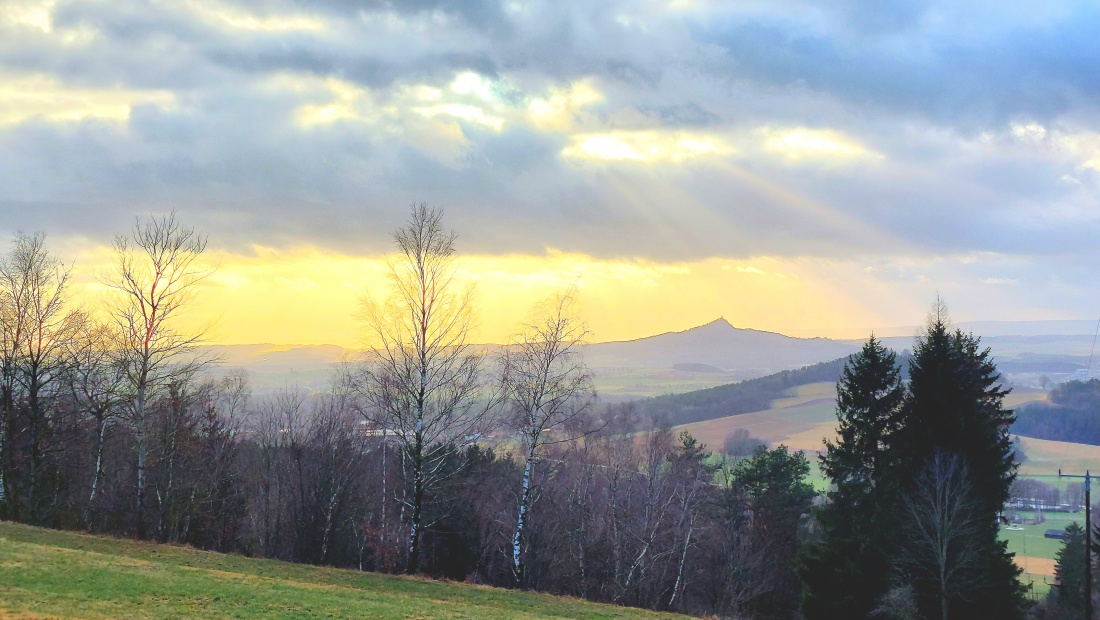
(750, 352)
(719, 323)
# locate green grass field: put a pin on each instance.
(45, 573)
(647, 382)
(1034, 552)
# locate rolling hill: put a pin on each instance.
(706, 356)
(738, 398)
(713, 354)
(50, 574)
(720, 345)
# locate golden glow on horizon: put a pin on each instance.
(309, 296)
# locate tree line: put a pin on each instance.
(1071, 414)
(741, 397)
(431, 456)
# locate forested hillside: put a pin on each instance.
(746, 396)
(743, 397)
(1071, 414)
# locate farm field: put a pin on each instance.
(799, 421)
(1034, 552)
(808, 415)
(45, 573)
(620, 384)
(1045, 457)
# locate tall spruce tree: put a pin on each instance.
(954, 407)
(847, 572)
(1069, 571)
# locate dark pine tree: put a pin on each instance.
(846, 573)
(954, 407)
(1069, 571)
(774, 483)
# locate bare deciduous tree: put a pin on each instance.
(740, 443)
(423, 379)
(899, 603)
(9, 336)
(278, 429)
(340, 453)
(939, 528)
(546, 385)
(155, 276)
(95, 380)
(740, 567)
(38, 339)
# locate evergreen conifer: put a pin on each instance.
(846, 573)
(1069, 571)
(954, 407)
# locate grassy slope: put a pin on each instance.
(68, 575)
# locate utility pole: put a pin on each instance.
(1088, 539)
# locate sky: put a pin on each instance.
(813, 167)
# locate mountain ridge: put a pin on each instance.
(718, 343)
(651, 364)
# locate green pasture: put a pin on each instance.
(46, 573)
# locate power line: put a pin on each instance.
(1088, 369)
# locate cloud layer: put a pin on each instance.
(956, 140)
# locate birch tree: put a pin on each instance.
(9, 336)
(156, 272)
(41, 328)
(95, 380)
(546, 385)
(423, 382)
(940, 535)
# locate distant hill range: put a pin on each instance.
(715, 348)
(712, 354)
(987, 329)
(720, 345)
(271, 367)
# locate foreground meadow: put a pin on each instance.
(45, 573)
